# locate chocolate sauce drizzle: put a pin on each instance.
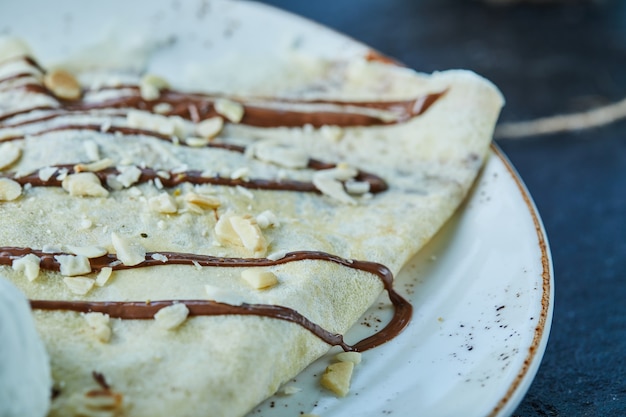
(141, 310)
(172, 179)
(258, 112)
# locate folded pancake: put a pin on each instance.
(186, 253)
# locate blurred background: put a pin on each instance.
(548, 58)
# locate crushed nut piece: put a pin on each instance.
(334, 133)
(357, 187)
(267, 219)
(73, 265)
(163, 203)
(87, 251)
(129, 252)
(354, 357)
(103, 276)
(259, 279)
(195, 142)
(332, 188)
(232, 110)
(9, 189)
(210, 128)
(128, 175)
(155, 122)
(337, 378)
(162, 108)
(172, 316)
(62, 84)
(94, 166)
(100, 324)
(28, 265)
(9, 154)
(159, 257)
(151, 85)
(289, 390)
(46, 173)
(84, 184)
(203, 201)
(79, 285)
(241, 231)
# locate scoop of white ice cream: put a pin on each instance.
(25, 381)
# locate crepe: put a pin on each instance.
(186, 253)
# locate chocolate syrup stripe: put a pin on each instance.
(172, 179)
(199, 106)
(145, 310)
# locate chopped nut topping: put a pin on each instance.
(162, 108)
(332, 188)
(28, 265)
(9, 154)
(267, 219)
(232, 110)
(103, 276)
(259, 279)
(148, 121)
(354, 357)
(128, 175)
(210, 128)
(129, 252)
(337, 378)
(151, 85)
(242, 173)
(84, 184)
(196, 142)
(163, 203)
(79, 285)
(241, 231)
(94, 166)
(46, 173)
(100, 324)
(62, 84)
(290, 390)
(87, 251)
(159, 257)
(172, 316)
(9, 189)
(203, 201)
(73, 265)
(357, 187)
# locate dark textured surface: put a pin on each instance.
(547, 59)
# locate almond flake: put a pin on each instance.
(46, 173)
(100, 324)
(94, 166)
(267, 219)
(148, 121)
(357, 187)
(79, 285)
(232, 110)
(203, 201)
(9, 154)
(210, 128)
(129, 252)
(128, 175)
(172, 316)
(103, 276)
(162, 108)
(337, 378)
(73, 265)
(62, 84)
(151, 85)
(87, 251)
(84, 184)
(241, 231)
(9, 189)
(259, 279)
(159, 257)
(28, 265)
(354, 357)
(163, 203)
(332, 188)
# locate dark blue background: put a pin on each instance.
(547, 59)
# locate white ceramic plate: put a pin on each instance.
(482, 289)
